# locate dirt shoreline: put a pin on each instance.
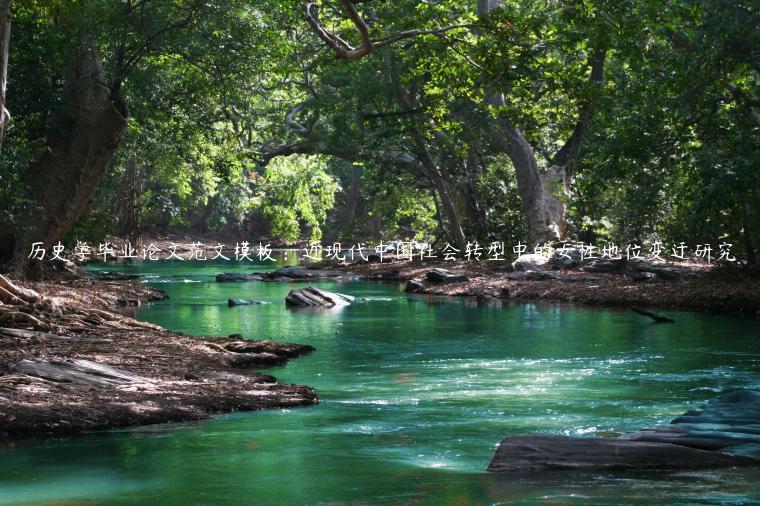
(696, 289)
(48, 385)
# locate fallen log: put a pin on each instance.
(656, 318)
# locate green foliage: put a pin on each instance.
(214, 87)
(295, 194)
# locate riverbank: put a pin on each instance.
(695, 288)
(69, 362)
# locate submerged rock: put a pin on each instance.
(245, 302)
(227, 277)
(314, 297)
(445, 276)
(299, 274)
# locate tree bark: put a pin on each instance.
(5, 40)
(347, 214)
(81, 143)
(541, 194)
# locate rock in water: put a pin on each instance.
(244, 302)
(414, 286)
(530, 262)
(314, 297)
(723, 432)
(543, 452)
(300, 274)
(227, 277)
(729, 424)
(445, 276)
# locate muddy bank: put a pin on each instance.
(69, 363)
(694, 288)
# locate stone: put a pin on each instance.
(643, 276)
(545, 452)
(566, 258)
(445, 276)
(314, 297)
(244, 302)
(414, 286)
(723, 432)
(606, 265)
(530, 262)
(227, 277)
(540, 275)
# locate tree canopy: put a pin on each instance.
(513, 120)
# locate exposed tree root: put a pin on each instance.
(26, 309)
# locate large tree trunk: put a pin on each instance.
(541, 194)
(349, 210)
(81, 144)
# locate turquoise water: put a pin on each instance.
(415, 394)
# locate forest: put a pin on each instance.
(531, 121)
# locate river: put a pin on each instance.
(416, 394)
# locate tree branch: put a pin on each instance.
(569, 151)
(344, 50)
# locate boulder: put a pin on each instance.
(544, 452)
(444, 276)
(723, 432)
(530, 262)
(659, 269)
(566, 258)
(516, 276)
(730, 424)
(244, 302)
(227, 277)
(314, 297)
(414, 286)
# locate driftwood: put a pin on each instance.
(656, 318)
(78, 371)
(26, 309)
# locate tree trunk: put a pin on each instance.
(88, 130)
(541, 194)
(347, 215)
(5, 40)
